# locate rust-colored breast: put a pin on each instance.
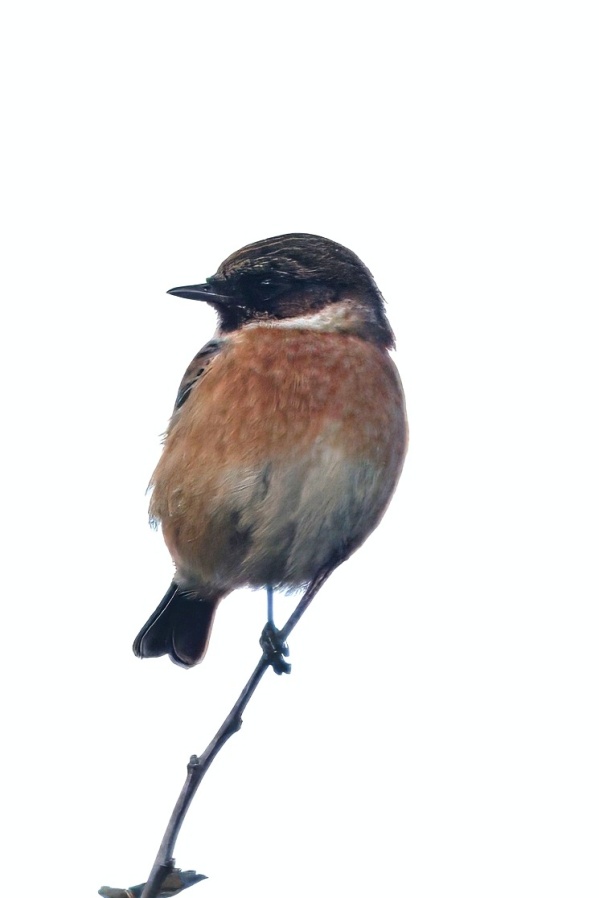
(273, 397)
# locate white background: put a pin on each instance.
(439, 734)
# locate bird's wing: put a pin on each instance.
(197, 368)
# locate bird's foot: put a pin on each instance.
(275, 649)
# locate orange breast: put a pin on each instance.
(274, 400)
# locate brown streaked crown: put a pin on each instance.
(288, 276)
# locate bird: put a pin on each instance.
(287, 437)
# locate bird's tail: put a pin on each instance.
(180, 627)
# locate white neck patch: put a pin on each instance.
(344, 316)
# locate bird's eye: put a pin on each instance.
(261, 291)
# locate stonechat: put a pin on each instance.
(287, 437)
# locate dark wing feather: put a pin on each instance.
(196, 369)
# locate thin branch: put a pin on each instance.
(198, 766)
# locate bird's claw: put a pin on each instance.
(275, 649)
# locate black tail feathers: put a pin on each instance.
(180, 627)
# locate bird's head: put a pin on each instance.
(294, 276)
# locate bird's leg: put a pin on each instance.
(273, 645)
(270, 606)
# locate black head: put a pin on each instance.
(289, 276)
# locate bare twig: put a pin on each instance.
(197, 767)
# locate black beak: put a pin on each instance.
(202, 292)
